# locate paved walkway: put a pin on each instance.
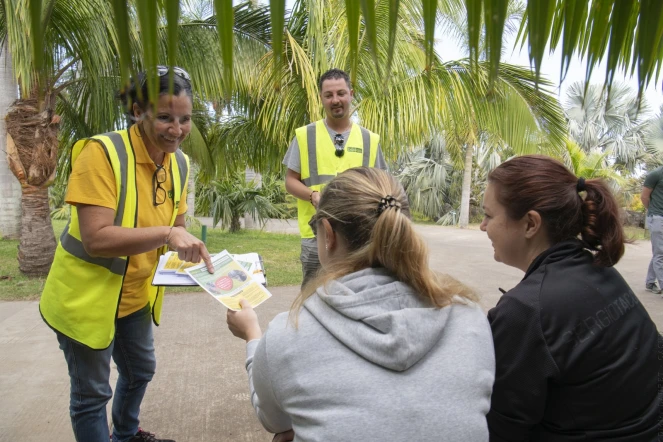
(199, 392)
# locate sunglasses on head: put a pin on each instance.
(338, 141)
(162, 71)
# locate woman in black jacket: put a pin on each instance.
(578, 357)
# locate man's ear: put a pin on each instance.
(533, 224)
(330, 236)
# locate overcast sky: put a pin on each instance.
(450, 50)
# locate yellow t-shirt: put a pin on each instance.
(92, 182)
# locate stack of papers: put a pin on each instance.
(252, 263)
(171, 271)
(235, 277)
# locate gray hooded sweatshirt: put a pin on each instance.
(371, 360)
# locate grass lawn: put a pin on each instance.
(636, 233)
(280, 254)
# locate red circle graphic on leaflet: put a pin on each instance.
(224, 283)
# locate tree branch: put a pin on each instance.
(64, 85)
(64, 69)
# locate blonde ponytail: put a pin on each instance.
(369, 209)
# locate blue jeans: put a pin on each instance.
(655, 271)
(89, 371)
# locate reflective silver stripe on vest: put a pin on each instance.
(311, 142)
(318, 179)
(366, 138)
(181, 165)
(314, 179)
(75, 247)
(121, 149)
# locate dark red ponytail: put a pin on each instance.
(540, 183)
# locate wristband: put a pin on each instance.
(310, 197)
(168, 236)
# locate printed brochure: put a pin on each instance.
(230, 282)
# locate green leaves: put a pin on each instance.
(621, 35)
(648, 50)
(173, 18)
(368, 8)
(393, 27)
(277, 13)
(352, 14)
(474, 26)
(494, 17)
(429, 14)
(540, 15)
(121, 21)
(37, 36)
(224, 23)
(147, 17)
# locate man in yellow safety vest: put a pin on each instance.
(322, 150)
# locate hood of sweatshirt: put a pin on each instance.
(379, 318)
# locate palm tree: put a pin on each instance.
(654, 142)
(624, 34)
(408, 110)
(519, 112)
(228, 199)
(68, 89)
(615, 123)
(425, 174)
(595, 164)
(75, 39)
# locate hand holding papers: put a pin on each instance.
(170, 271)
(244, 323)
(229, 283)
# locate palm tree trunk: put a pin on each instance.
(467, 185)
(37, 245)
(235, 225)
(32, 146)
(10, 188)
(251, 175)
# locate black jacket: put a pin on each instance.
(577, 355)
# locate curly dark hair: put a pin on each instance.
(131, 96)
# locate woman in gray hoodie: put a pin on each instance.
(378, 347)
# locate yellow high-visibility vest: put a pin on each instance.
(320, 164)
(82, 293)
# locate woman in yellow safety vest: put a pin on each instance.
(127, 191)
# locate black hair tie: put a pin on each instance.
(580, 187)
(387, 202)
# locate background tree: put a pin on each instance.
(614, 123)
(70, 33)
(228, 199)
(626, 34)
(408, 109)
(595, 164)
